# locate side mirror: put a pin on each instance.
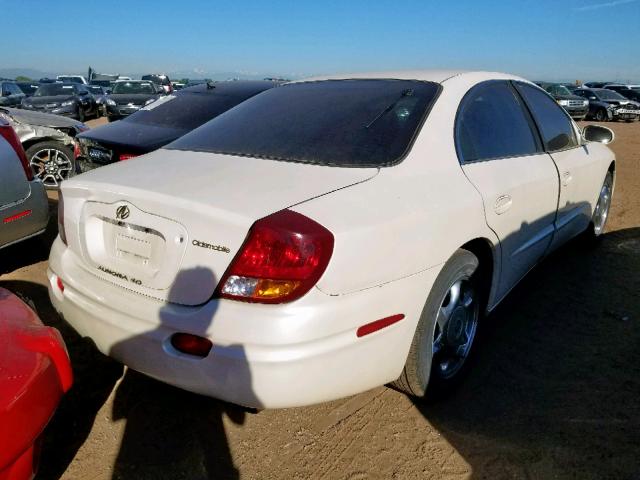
(598, 133)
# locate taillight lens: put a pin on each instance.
(127, 156)
(76, 150)
(10, 136)
(283, 257)
(61, 231)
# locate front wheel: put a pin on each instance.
(446, 331)
(601, 115)
(52, 162)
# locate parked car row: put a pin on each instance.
(599, 101)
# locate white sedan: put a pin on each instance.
(327, 236)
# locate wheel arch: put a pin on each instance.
(35, 140)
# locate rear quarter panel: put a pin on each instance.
(409, 218)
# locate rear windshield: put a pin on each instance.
(54, 89)
(347, 123)
(133, 88)
(185, 110)
(157, 79)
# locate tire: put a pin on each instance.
(52, 162)
(601, 115)
(601, 211)
(423, 370)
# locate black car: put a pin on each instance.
(160, 80)
(28, 88)
(609, 105)
(595, 84)
(129, 96)
(632, 92)
(577, 107)
(162, 122)
(68, 99)
(10, 94)
(100, 95)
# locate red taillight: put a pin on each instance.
(127, 156)
(76, 150)
(7, 132)
(61, 231)
(191, 344)
(283, 257)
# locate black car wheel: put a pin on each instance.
(52, 162)
(601, 115)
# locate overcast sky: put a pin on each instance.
(545, 39)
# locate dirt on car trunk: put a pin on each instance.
(554, 392)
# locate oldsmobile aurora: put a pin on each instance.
(327, 236)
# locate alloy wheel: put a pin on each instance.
(601, 211)
(52, 166)
(455, 328)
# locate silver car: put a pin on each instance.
(48, 141)
(24, 207)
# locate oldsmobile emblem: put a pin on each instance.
(217, 248)
(122, 212)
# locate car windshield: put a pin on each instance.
(94, 89)
(186, 110)
(348, 123)
(54, 89)
(558, 90)
(609, 95)
(134, 87)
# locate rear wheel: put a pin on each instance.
(52, 162)
(446, 331)
(601, 212)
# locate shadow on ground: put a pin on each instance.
(555, 388)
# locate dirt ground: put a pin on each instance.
(555, 392)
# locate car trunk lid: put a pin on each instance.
(168, 224)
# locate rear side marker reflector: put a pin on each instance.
(60, 284)
(378, 325)
(191, 344)
(17, 216)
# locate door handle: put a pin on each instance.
(503, 203)
(566, 178)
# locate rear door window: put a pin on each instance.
(492, 123)
(347, 123)
(553, 122)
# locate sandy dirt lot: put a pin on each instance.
(555, 392)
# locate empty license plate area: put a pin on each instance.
(142, 252)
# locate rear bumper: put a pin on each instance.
(265, 356)
(26, 218)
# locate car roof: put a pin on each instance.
(437, 76)
(229, 87)
(133, 81)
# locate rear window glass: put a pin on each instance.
(54, 89)
(133, 88)
(185, 110)
(351, 123)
